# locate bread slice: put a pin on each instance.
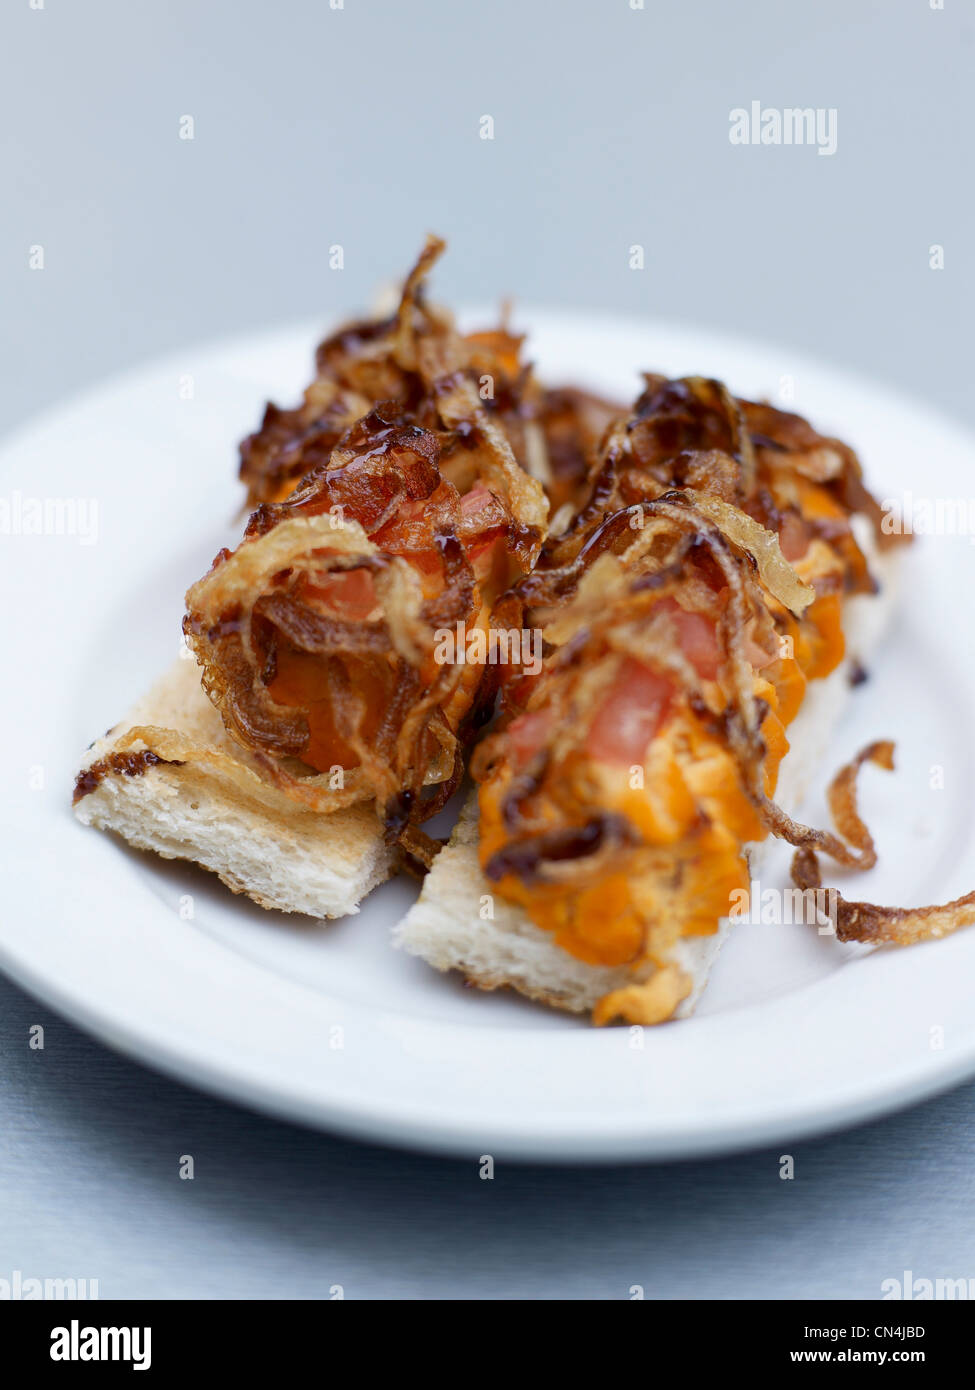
(445, 928)
(170, 779)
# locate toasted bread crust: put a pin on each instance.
(168, 778)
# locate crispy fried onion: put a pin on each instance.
(786, 443)
(318, 634)
(545, 854)
(485, 405)
(683, 522)
(358, 366)
(617, 609)
(762, 545)
(674, 426)
(260, 590)
(692, 435)
(687, 501)
(866, 922)
(614, 609)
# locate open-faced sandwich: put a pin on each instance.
(403, 497)
(664, 663)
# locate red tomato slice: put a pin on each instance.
(478, 498)
(631, 714)
(527, 733)
(348, 595)
(698, 638)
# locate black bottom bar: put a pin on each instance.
(170, 1338)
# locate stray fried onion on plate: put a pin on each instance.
(866, 922)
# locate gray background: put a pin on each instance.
(360, 127)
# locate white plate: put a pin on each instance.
(326, 1024)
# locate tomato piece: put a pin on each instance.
(408, 531)
(630, 715)
(348, 594)
(479, 498)
(698, 638)
(527, 733)
(758, 656)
